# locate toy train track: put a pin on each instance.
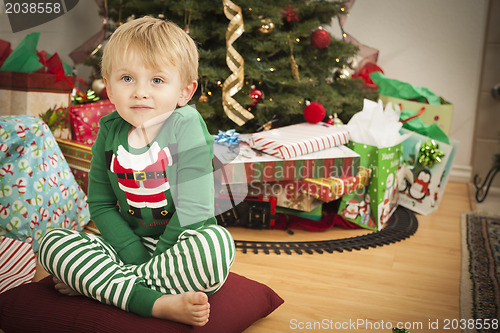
(402, 225)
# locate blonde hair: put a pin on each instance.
(157, 42)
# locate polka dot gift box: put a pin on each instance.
(85, 120)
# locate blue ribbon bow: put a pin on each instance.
(227, 138)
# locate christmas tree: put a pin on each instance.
(280, 55)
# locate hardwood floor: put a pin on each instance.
(414, 282)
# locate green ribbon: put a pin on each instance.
(429, 153)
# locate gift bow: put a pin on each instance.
(227, 138)
(429, 153)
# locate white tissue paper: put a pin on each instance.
(376, 126)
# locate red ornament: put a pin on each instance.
(290, 14)
(320, 38)
(314, 112)
(256, 95)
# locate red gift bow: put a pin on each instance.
(54, 65)
(5, 51)
(365, 68)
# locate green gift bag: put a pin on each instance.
(437, 110)
(372, 206)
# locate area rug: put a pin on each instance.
(480, 279)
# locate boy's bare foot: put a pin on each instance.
(63, 288)
(190, 308)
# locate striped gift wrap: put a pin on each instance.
(242, 164)
(299, 139)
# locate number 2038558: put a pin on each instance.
(471, 324)
(32, 8)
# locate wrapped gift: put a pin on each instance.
(78, 157)
(287, 194)
(85, 120)
(424, 172)
(300, 139)
(332, 188)
(37, 190)
(315, 214)
(242, 164)
(32, 93)
(32, 84)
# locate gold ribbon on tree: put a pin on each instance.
(235, 62)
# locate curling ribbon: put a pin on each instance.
(235, 62)
(412, 117)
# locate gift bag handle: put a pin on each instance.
(413, 117)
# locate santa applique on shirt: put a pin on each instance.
(143, 179)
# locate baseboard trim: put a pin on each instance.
(461, 174)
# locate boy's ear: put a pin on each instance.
(187, 93)
(108, 90)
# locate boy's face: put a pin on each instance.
(140, 93)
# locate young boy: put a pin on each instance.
(151, 192)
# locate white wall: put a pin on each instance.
(434, 44)
(430, 43)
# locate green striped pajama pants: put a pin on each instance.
(199, 261)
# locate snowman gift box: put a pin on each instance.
(424, 172)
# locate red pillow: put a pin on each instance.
(38, 307)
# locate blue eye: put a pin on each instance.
(157, 80)
(127, 78)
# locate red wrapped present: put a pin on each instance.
(85, 120)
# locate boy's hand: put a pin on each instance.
(63, 288)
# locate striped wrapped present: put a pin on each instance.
(300, 139)
(18, 263)
(242, 164)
